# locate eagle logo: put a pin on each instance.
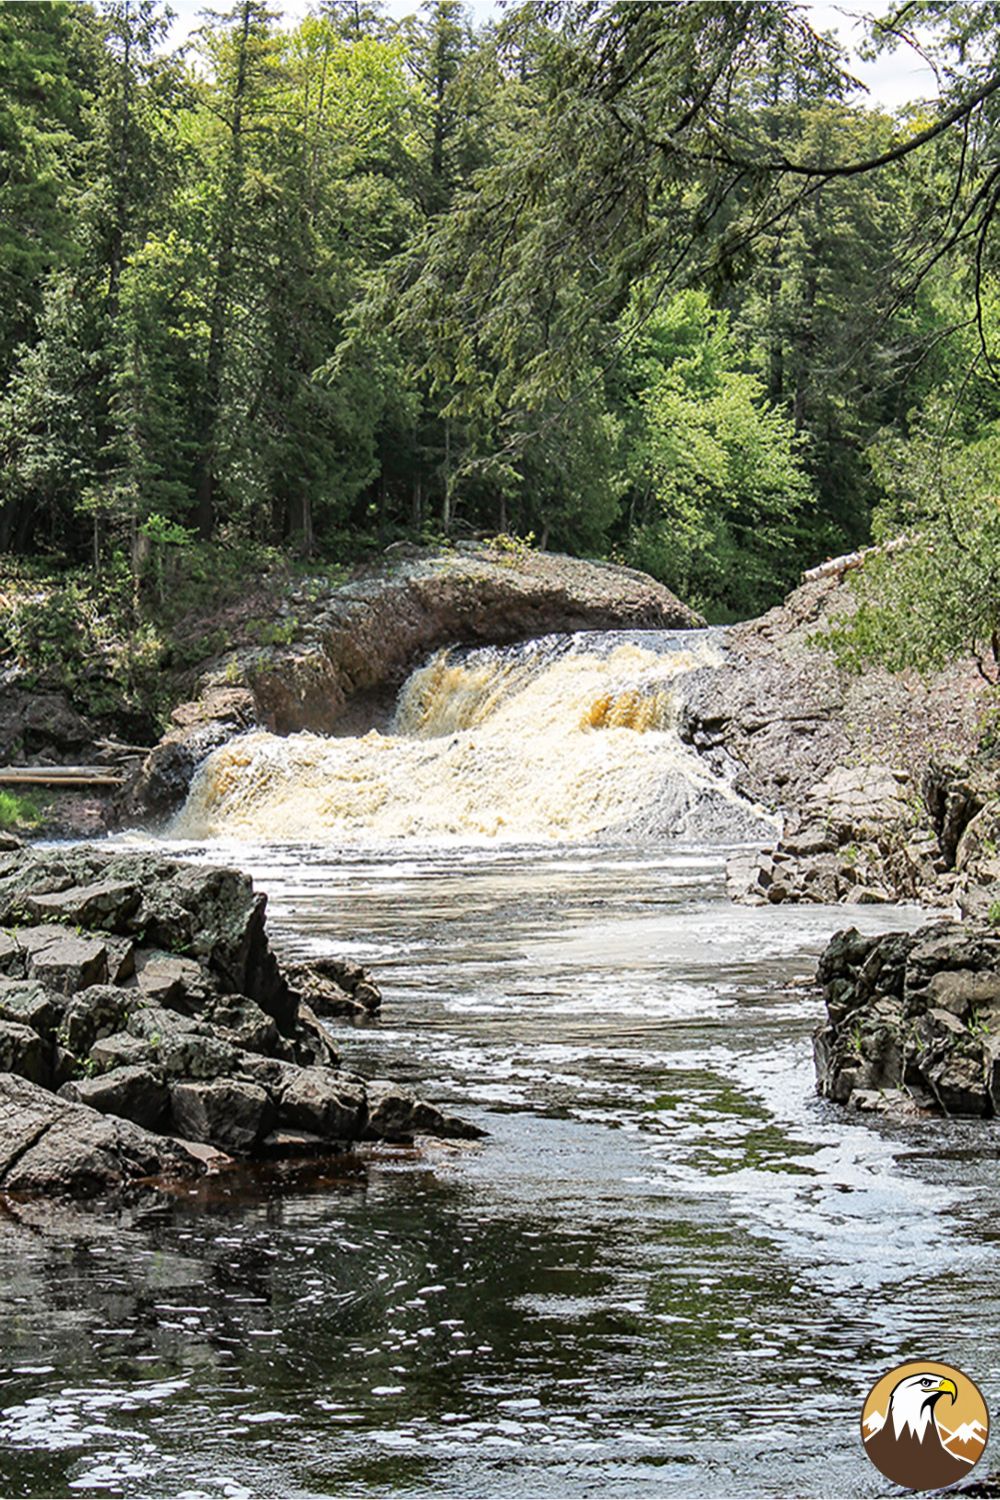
(924, 1425)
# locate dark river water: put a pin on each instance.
(668, 1270)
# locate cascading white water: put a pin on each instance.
(565, 738)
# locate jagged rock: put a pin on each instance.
(963, 991)
(192, 1054)
(324, 1103)
(164, 979)
(23, 1052)
(336, 987)
(958, 1084)
(154, 1023)
(953, 799)
(201, 912)
(63, 961)
(34, 723)
(228, 1113)
(394, 1114)
(121, 1050)
(853, 841)
(97, 1011)
(133, 1093)
(121, 959)
(104, 906)
(242, 1023)
(162, 1039)
(50, 1145)
(161, 783)
(31, 1004)
(310, 1047)
(913, 1012)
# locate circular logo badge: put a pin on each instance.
(924, 1425)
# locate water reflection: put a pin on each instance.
(669, 1270)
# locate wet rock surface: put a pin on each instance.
(912, 1021)
(152, 1020)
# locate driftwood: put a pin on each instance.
(58, 776)
(840, 565)
(116, 747)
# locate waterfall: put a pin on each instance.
(564, 738)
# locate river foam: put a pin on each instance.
(564, 738)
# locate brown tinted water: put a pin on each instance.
(669, 1270)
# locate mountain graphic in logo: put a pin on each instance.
(924, 1425)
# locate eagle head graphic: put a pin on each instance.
(908, 1445)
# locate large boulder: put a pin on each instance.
(22, 1051)
(232, 1114)
(138, 1094)
(325, 1103)
(336, 987)
(914, 1015)
(53, 1145)
(210, 915)
(395, 1114)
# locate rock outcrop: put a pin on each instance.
(862, 835)
(845, 757)
(912, 1020)
(145, 1021)
(353, 646)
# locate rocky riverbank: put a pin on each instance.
(912, 1021)
(877, 775)
(147, 1029)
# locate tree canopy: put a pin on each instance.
(646, 280)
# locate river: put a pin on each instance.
(667, 1270)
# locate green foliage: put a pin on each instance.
(19, 811)
(724, 491)
(621, 275)
(933, 595)
(511, 550)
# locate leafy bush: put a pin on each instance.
(19, 810)
(936, 595)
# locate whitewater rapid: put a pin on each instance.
(561, 739)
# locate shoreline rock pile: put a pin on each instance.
(146, 1026)
(913, 1021)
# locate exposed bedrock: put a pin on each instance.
(147, 1027)
(850, 760)
(353, 647)
(912, 1020)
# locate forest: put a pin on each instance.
(653, 282)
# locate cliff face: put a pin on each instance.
(353, 646)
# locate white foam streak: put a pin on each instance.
(547, 742)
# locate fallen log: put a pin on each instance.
(841, 565)
(58, 776)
